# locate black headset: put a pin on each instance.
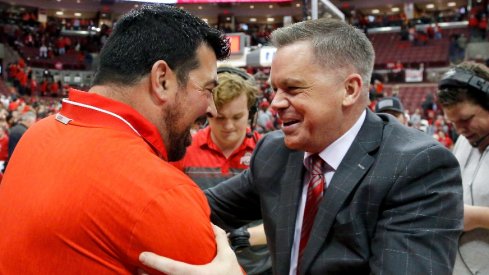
(460, 78)
(254, 108)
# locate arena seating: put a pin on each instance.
(412, 95)
(389, 48)
(70, 60)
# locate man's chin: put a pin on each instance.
(292, 143)
(179, 147)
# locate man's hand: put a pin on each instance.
(225, 262)
(475, 217)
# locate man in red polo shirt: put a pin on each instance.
(98, 189)
(222, 150)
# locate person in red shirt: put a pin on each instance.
(3, 145)
(88, 189)
(54, 88)
(223, 149)
(473, 26)
(444, 139)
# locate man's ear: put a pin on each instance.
(161, 77)
(353, 89)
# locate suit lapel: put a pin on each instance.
(352, 169)
(291, 187)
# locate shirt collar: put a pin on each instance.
(93, 109)
(209, 143)
(334, 153)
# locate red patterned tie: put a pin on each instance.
(315, 190)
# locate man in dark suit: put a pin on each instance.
(392, 197)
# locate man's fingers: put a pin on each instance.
(164, 264)
(225, 257)
(221, 236)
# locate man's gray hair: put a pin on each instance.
(336, 44)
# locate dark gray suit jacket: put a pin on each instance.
(394, 205)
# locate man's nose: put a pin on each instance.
(211, 109)
(279, 101)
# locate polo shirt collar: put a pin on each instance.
(248, 143)
(93, 109)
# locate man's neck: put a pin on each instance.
(227, 149)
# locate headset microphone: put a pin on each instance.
(254, 108)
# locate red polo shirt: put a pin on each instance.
(206, 164)
(87, 190)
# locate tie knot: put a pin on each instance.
(316, 165)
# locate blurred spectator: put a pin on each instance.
(473, 26)
(430, 31)
(444, 139)
(76, 24)
(392, 106)
(18, 130)
(264, 121)
(60, 44)
(397, 72)
(428, 104)
(415, 119)
(3, 146)
(437, 31)
(462, 44)
(43, 51)
(483, 27)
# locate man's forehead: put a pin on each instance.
(460, 109)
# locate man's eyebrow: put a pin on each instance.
(212, 82)
(290, 81)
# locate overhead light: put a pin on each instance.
(252, 7)
(78, 1)
(199, 7)
(181, 7)
(395, 9)
(77, 14)
(136, 5)
(58, 0)
(270, 6)
(430, 6)
(451, 4)
(252, 19)
(228, 18)
(298, 5)
(375, 11)
(59, 13)
(270, 19)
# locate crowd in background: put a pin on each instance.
(42, 96)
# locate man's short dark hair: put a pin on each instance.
(451, 94)
(156, 32)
